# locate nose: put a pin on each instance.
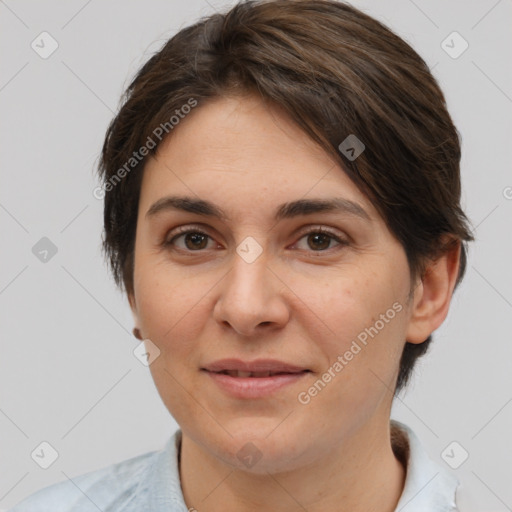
(251, 298)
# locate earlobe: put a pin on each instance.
(433, 295)
(133, 307)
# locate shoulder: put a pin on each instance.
(108, 488)
(429, 486)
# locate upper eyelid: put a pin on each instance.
(207, 230)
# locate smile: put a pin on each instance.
(255, 379)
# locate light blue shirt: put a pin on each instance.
(151, 482)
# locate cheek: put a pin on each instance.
(165, 303)
(169, 310)
(349, 302)
(366, 318)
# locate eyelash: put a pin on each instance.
(197, 230)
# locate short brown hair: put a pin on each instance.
(336, 71)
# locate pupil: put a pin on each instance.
(196, 239)
(316, 236)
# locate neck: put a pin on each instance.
(362, 474)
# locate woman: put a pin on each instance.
(282, 208)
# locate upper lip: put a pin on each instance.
(258, 365)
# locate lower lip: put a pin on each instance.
(254, 387)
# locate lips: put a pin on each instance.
(242, 374)
(255, 379)
(256, 368)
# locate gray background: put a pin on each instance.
(67, 372)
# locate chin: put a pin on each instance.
(258, 447)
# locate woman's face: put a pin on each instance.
(312, 301)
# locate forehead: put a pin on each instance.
(241, 150)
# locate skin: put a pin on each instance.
(199, 301)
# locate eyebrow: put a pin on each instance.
(284, 211)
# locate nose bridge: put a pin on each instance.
(248, 279)
(248, 268)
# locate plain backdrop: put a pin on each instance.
(68, 375)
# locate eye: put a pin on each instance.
(320, 239)
(192, 239)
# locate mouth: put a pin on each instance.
(258, 375)
(255, 379)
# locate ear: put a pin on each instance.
(432, 296)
